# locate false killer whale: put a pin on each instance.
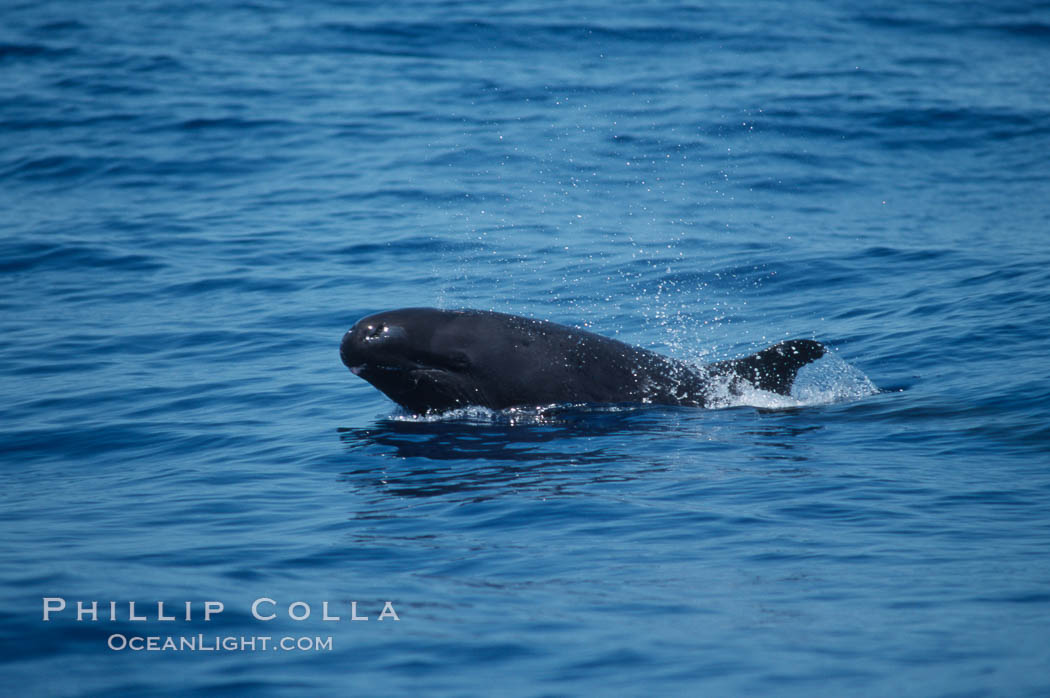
(431, 360)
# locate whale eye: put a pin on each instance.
(374, 331)
(381, 330)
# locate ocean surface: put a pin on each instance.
(198, 199)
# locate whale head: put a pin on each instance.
(431, 360)
(412, 356)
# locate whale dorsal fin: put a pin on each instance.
(773, 369)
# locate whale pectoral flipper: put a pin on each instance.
(773, 369)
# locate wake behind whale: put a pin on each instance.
(429, 360)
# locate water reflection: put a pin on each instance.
(786, 439)
(559, 451)
(508, 435)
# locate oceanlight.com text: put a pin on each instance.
(217, 643)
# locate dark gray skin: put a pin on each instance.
(430, 360)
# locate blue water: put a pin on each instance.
(198, 199)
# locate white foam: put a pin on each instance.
(546, 414)
(830, 380)
(825, 381)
